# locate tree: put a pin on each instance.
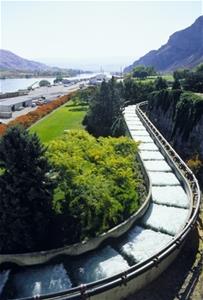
(151, 71)
(26, 192)
(44, 83)
(135, 92)
(194, 82)
(176, 85)
(105, 111)
(99, 117)
(199, 68)
(59, 78)
(181, 74)
(160, 84)
(140, 72)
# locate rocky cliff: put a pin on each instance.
(179, 116)
(184, 49)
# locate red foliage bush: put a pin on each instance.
(33, 116)
(3, 128)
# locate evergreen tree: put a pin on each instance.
(117, 101)
(176, 85)
(160, 84)
(99, 116)
(26, 192)
(105, 111)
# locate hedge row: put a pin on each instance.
(33, 116)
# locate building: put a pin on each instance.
(96, 80)
(7, 106)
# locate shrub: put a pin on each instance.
(195, 164)
(100, 181)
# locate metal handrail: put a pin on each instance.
(103, 285)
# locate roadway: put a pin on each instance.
(50, 93)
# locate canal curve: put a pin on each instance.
(124, 265)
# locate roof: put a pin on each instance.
(13, 101)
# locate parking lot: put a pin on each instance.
(41, 94)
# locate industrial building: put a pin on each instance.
(7, 106)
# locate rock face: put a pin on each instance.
(165, 123)
(184, 49)
(187, 146)
(11, 61)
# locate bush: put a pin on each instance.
(99, 180)
(160, 84)
(195, 164)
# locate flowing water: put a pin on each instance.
(166, 219)
(151, 155)
(170, 195)
(153, 165)
(34, 281)
(148, 147)
(163, 178)
(103, 263)
(142, 243)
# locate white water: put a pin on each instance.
(41, 280)
(141, 133)
(165, 219)
(151, 155)
(3, 279)
(136, 127)
(103, 263)
(170, 195)
(133, 122)
(148, 147)
(153, 165)
(163, 178)
(130, 116)
(142, 243)
(143, 139)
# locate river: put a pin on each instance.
(15, 84)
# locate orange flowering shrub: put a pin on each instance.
(3, 128)
(33, 116)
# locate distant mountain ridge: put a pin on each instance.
(184, 49)
(11, 61)
(14, 66)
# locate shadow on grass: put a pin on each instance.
(76, 104)
(78, 109)
(179, 280)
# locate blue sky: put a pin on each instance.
(88, 30)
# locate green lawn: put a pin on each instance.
(68, 116)
(168, 77)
